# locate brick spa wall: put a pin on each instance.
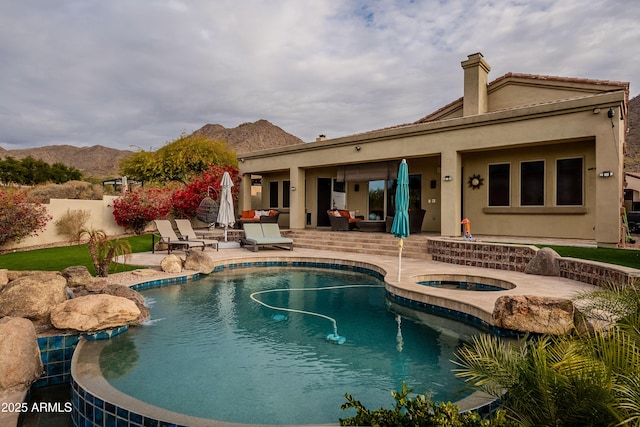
(479, 254)
(516, 257)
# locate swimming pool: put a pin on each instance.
(212, 351)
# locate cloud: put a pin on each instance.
(123, 73)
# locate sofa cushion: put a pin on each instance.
(248, 214)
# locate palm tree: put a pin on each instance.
(543, 381)
(103, 251)
(593, 379)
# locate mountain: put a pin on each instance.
(102, 162)
(632, 155)
(250, 137)
(96, 161)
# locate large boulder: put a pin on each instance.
(546, 262)
(199, 261)
(81, 281)
(32, 296)
(91, 313)
(171, 264)
(4, 277)
(528, 313)
(77, 275)
(130, 294)
(21, 363)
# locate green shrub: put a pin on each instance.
(80, 190)
(420, 411)
(71, 223)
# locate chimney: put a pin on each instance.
(321, 138)
(476, 71)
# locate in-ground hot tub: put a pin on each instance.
(464, 282)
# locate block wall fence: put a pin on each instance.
(101, 218)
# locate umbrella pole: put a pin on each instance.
(225, 233)
(400, 246)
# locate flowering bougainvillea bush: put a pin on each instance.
(20, 217)
(186, 200)
(137, 208)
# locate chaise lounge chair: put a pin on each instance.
(264, 234)
(187, 232)
(169, 237)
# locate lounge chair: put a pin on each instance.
(264, 234)
(187, 232)
(169, 237)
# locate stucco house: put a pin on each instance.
(522, 155)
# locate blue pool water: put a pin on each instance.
(212, 351)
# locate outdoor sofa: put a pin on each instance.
(258, 216)
(343, 220)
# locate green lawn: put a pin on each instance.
(625, 257)
(59, 258)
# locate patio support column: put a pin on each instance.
(297, 213)
(245, 192)
(450, 193)
(609, 192)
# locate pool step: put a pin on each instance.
(359, 242)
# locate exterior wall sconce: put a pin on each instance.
(242, 160)
(358, 148)
(606, 174)
(447, 178)
(293, 188)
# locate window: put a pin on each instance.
(273, 194)
(415, 193)
(376, 200)
(532, 183)
(569, 182)
(286, 193)
(499, 184)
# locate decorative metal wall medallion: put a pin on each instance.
(475, 181)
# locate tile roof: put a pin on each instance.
(623, 85)
(429, 117)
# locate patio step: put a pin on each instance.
(358, 242)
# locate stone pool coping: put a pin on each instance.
(478, 304)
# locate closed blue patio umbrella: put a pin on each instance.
(400, 227)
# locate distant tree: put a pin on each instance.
(35, 171)
(30, 171)
(20, 217)
(61, 173)
(11, 171)
(179, 160)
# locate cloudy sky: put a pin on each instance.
(125, 74)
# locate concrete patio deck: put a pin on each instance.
(479, 304)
